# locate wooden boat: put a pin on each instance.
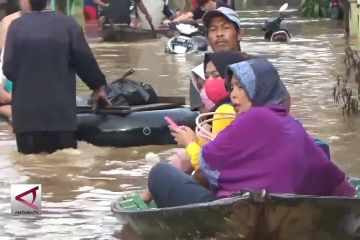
(125, 33)
(251, 215)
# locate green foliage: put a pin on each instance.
(314, 8)
(343, 92)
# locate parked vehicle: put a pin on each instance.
(275, 28)
(189, 37)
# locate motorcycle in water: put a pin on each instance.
(275, 29)
(189, 38)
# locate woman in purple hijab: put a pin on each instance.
(264, 148)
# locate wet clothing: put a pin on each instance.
(44, 51)
(44, 142)
(199, 13)
(118, 11)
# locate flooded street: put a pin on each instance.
(79, 186)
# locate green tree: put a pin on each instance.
(314, 8)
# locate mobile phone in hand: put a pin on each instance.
(171, 123)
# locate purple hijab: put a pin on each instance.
(264, 147)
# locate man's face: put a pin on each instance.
(223, 35)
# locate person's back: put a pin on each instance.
(44, 50)
(44, 43)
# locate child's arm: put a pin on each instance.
(193, 150)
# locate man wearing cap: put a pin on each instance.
(224, 33)
(197, 13)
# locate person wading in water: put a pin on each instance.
(119, 11)
(53, 50)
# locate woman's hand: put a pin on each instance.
(182, 161)
(183, 135)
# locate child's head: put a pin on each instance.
(200, 82)
(197, 77)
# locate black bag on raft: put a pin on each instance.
(125, 92)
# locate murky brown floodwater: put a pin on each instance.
(78, 186)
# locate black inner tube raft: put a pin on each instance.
(135, 129)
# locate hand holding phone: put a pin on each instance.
(172, 123)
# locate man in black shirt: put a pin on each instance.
(43, 52)
(197, 13)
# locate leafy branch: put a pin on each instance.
(314, 8)
(342, 91)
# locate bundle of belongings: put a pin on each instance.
(125, 92)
